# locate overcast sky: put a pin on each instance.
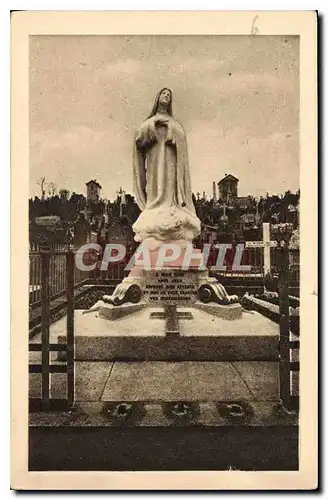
(236, 96)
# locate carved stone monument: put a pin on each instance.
(168, 272)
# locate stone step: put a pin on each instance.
(166, 381)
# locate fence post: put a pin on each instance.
(45, 336)
(284, 354)
(70, 264)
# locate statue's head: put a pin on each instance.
(163, 100)
(165, 97)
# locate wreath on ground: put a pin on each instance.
(124, 412)
(237, 412)
(181, 411)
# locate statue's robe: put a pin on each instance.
(162, 182)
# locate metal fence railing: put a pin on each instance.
(115, 271)
(46, 368)
(35, 278)
(57, 279)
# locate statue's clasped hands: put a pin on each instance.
(163, 120)
(160, 120)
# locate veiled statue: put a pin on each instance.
(161, 174)
(162, 189)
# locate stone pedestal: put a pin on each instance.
(170, 288)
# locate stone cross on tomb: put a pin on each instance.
(266, 244)
(171, 317)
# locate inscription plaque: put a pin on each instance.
(171, 287)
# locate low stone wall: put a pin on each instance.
(85, 297)
(269, 308)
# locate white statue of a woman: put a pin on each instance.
(161, 177)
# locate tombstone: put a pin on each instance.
(167, 282)
(81, 231)
(266, 244)
(50, 232)
(47, 221)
